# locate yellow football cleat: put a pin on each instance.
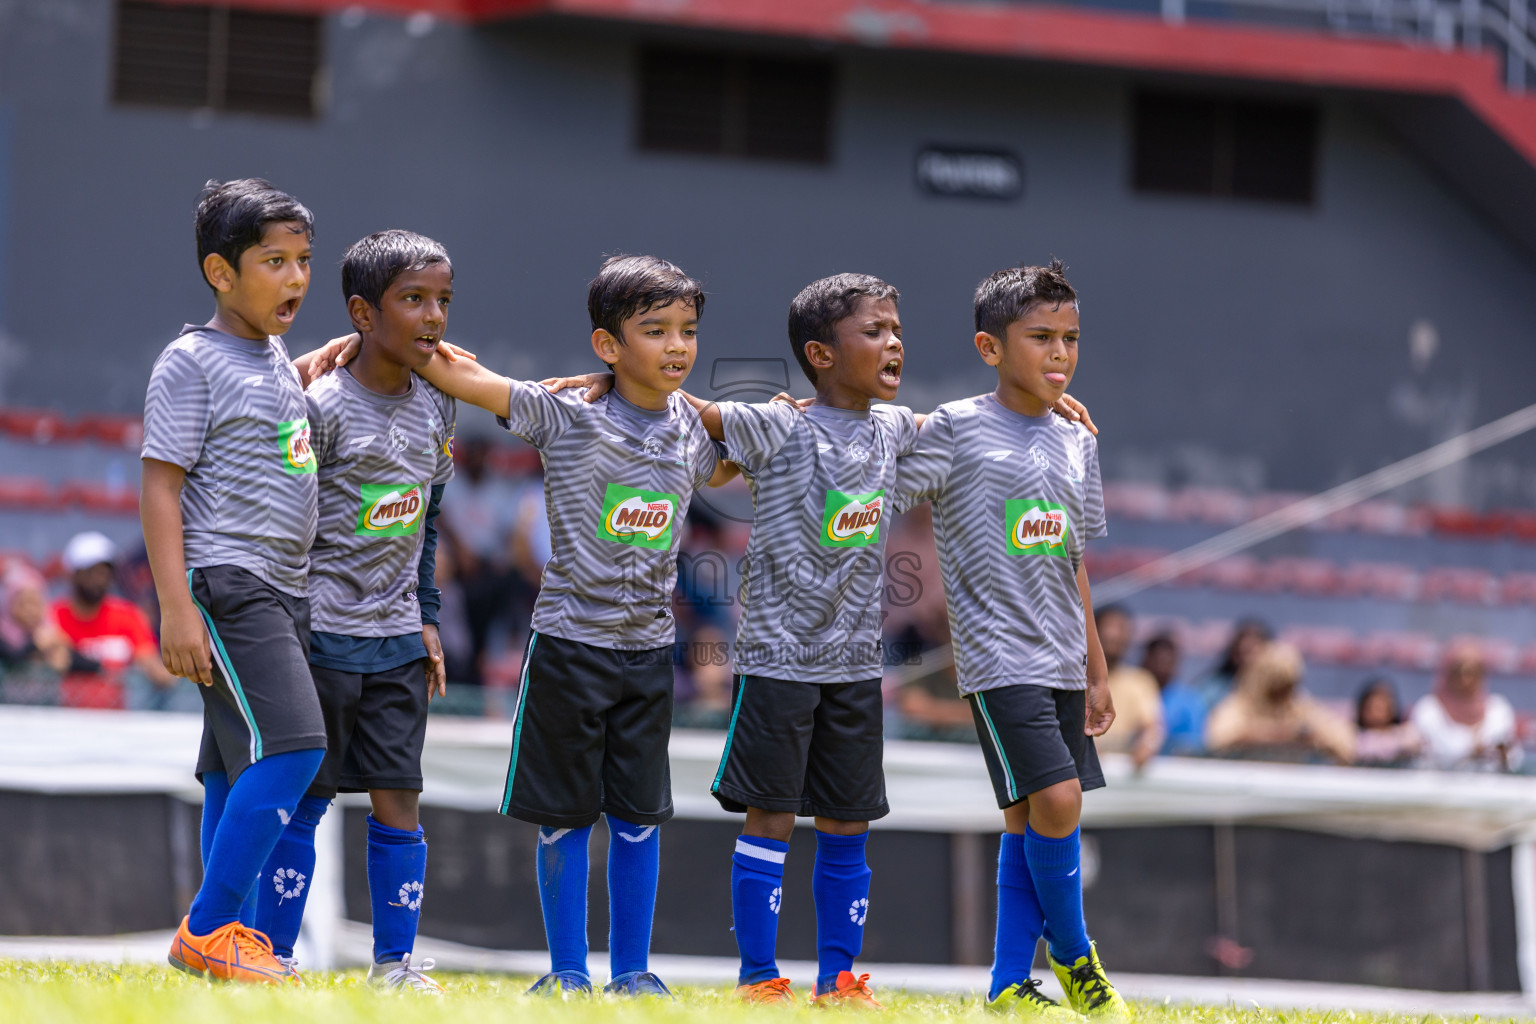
(1026, 1000)
(1088, 989)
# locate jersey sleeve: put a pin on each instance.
(902, 425)
(1094, 523)
(754, 432)
(449, 410)
(923, 473)
(178, 409)
(536, 414)
(324, 426)
(707, 456)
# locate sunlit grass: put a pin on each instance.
(99, 994)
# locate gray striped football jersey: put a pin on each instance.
(1015, 498)
(815, 566)
(378, 457)
(617, 483)
(231, 413)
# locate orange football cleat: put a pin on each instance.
(850, 990)
(774, 990)
(231, 953)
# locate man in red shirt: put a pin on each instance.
(105, 628)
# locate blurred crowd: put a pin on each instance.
(89, 641)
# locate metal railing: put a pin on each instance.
(1503, 26)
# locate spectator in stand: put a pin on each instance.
(1247, 638)
(111, 631)
(1184, 707)
(1466, 728)
(477, 517)
(1138, 727)
(1384, 740)
(706, 703)
(1268, 716)
(33, 651)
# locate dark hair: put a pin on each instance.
(1008, 294)
(371, 265)
(1160, 641)
(233, 215)
(1379, 683)
(627, 285)
(815, 312)
(1228, 665)
(1100, 614)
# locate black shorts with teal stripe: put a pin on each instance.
(812, 749)
(263, 699)
(589, 736)
(1032, 737)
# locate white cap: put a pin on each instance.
(87, 549)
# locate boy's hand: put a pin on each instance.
(437, 672)
(597, 384)
(1101, 708)
(453, 353)
(1071, 409)
(184, 645)
(334, 353)
(799, 403)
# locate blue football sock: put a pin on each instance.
(840, 887)
(634, 865)
(1019, 917)
(562, 864)
(1054, 864)
(757, 889)
(215, 796)
(283, 886)
(397, 877)
(258, 808)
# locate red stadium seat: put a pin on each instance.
(1310, 576)
(1460, 585)
(26, 492)
(1136, 501)
(1240, 572)
(114, 431)
(1518, 588)
(1465, 522)
(40, 426)
(1387, 581)
(1215, 505)
(95, 497)
(1326, 645)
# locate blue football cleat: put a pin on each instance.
(638, 983)
(562, 984)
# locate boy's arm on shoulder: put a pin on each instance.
(725, 472)
(923, 472)
(469, 382)
(183, 637)
(754, 432)
(709, 415)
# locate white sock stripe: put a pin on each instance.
(554, 837)
(749, 850)
(645, 834)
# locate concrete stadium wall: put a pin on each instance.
(1231, 343)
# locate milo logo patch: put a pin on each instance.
(293, 441)
(641, 518)
(1037, 528)
(391, 510)
(852, 520)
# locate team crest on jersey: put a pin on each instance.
(1041, 459)
(1074, 467)
(397, 439)
(391, 510)
(852, 520)
(639, 518)
(1036, 528)
(652, 447)
(293, 442)
(857, 452)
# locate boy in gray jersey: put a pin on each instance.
(594, 707)
(228, 506)
(805, 734)
(1016, 495)
(383, 443)
(806, 722)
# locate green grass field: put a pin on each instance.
(63, 993)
